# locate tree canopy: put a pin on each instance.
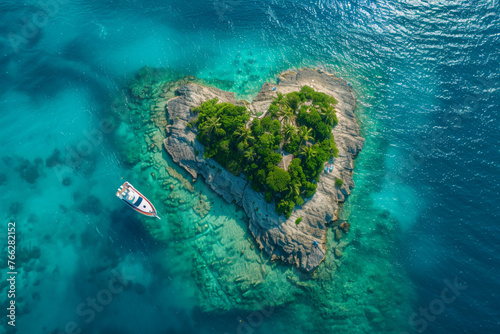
(278, 179)
(299, 128)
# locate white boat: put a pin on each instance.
(137, 201)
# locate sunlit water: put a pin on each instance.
(424, 210)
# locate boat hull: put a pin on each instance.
(135, 200)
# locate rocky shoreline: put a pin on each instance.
(281, 238)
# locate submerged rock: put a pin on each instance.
(30, 171)
(338, 234)
(338, 253)
(280, 237)
(54, 159)
(66, 181)
(91, 205)
(345, 226)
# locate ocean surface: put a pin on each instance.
(425, 213)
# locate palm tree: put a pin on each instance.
(294, 188)
(321, 111)
(288, 117)
(212, 125)
(250, 154)
(330, 116)
(283, 110)
(308, 152)
(289, 130)
(222, 108)
(305, 134)
(244, 134)
(286, 114)
(280, 98)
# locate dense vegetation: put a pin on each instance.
(339, 182)
(299, 123)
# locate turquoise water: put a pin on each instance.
(423, 211)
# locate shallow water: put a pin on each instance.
(423, 211)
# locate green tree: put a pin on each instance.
(280, 98)
(293, 100)
(309, 189)
(250, 154)
(330, 116)
(224, 148)
(274, 110)
(244, 134)
(289, 130)
(339, 183)
(305, 134)
(314, 117)
(285, 207)
(286, 114)
(275, 127)
(212, 125)
(272, 160)
(294, 189)
(278, 179)
(307, 91)
(288, 117)
(308, 152)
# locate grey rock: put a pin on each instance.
(338, 252)
(281, 238)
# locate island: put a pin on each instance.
(213, 222)
(286, 158)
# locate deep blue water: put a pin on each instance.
(426, 75)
